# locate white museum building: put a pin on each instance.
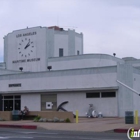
(45, 66)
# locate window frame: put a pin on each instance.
(61, 52)
(93, 95)
(111, 94)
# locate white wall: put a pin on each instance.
(69, 40)
(78, 44)
(125, 95)
(46, 44)
(32, 101)
(85, 63)
(82, 61)
(78, 101)
(5, 72)
(86, 78)
(2, 66)
(14, 45)
(136, 86)
(60, 41)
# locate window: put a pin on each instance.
(60, 52)
(93, 95)
(108, 94)
(8, 97)
(17, 97)
(11, 103)
(78, 52)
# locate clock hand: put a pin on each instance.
(27, 45)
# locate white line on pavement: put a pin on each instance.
(4, 138)
(16, 137)
(72, 137)
(39, 133)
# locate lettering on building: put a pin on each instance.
(26, 34)
(26, 60)
(15, 85)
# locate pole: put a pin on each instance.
(136, 116)
(76, 116)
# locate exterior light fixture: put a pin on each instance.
(20, 68)
(49, 68)
(114, 54)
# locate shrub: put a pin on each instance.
(37, 118)
(55, 119)
(67, 120)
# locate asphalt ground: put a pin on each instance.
(24, 134)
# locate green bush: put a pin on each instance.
(67, 120)
(36, 119)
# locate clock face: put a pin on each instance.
(26, 47)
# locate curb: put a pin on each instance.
(19, 126)
(121, 130)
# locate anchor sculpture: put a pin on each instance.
(61, 108)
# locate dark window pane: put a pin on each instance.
(17, 97)
(60, 52)
(8, 105)
(17, 104)
(78, 52)
(108, 94)
(8, 97)
(93, 95)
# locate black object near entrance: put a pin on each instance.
(129, 117)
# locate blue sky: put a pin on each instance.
(108, 26)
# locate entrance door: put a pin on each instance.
(17, 104)
(8, 105)
(11, 103)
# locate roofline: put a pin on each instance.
(24, 29)
(81, 55)
(40, 27)
(53, 71)
(61, 90)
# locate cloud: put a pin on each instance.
(108, 26)
(131, 3)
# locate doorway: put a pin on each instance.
(11, 103)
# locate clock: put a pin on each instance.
(26, 47)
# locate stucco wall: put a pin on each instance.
(83, 61)
(136, 86)
(2, 66)
(125, 95)
(60, 80)
(60, 41)
(78, 45)
(44, 43)
(78, 101)
(5, 72)
(6, 115)
(32, 101)
(15, 47)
